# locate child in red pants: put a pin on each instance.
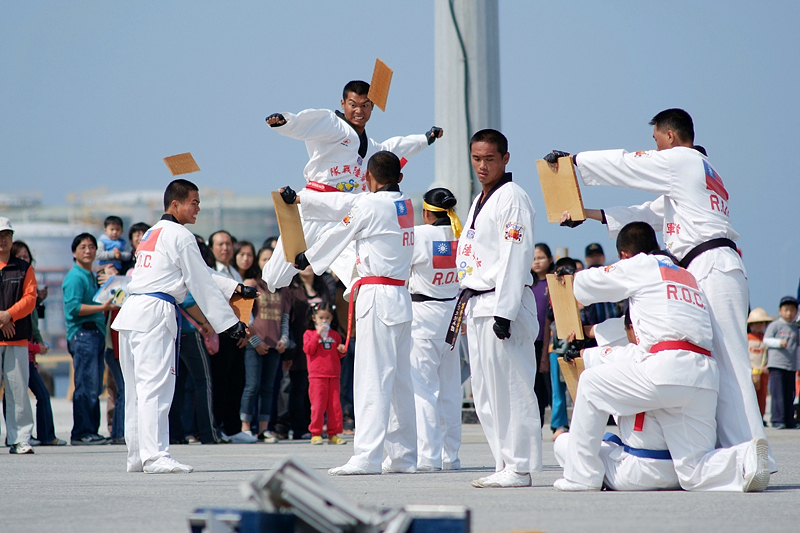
(323, 348)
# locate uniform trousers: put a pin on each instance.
(19, 414)
(324, 395)
(147, 359)
(382, 388)
(503, 374)
(624, 471)
(738, 417)
(436, 375)
(686, 415)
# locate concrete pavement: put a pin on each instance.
(86, 490)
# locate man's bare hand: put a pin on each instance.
(5, 318)
(8, 330)
(109, 305)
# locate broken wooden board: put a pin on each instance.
(560, 190)
(379, 86)
(291, 228)
(181, 164)
(565, 307)
(572, 373)
(243, 307)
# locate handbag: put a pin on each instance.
(211, 340)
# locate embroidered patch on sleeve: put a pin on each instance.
(348, 218)
(514, 232)
(643, 153)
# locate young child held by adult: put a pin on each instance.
(323, 348)
(112, 249)
(781, 338)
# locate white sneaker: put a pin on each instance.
(349, 470)
(427, 468)
(452, 466)
(570, 486)
(20, 448)
(167, 465)
(503, 479)
(243, 437)
(756, 466)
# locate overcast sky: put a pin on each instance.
(97, 93)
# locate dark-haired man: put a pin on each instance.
(338, 149)
(168, 264)
(381, 224)
(495, 253)
(672, 374)
(693, 214)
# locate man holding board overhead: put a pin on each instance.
(338, 148)
(693, 214)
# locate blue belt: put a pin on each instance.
(638, 452)
(178, 317)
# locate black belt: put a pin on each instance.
(426, 298)
(458, 314)
(90, 326)
(722, 242)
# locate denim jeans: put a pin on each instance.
(45, 427)
(87, 347)
(118, 422)
(558, 414)
(260, 373)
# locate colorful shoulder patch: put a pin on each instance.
(514, 232)
(348, 218)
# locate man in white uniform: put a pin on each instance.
(338, 149)
(381, 223)
(435, 368)
(168, 264)
(672, 375)
(495, 253)
(693, 214)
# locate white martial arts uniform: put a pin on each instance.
(495, 253)
(677, 384)
(335, 174)
(167, 261)
(435, 368)
(693, 209)
(382, 226)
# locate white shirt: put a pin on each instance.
(229, 272)
(169, 261)
(497, 252)
(693, 206)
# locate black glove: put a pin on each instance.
(565, 270)
(278, 124)
(288, 195)
(301, 261)
(433, 134)
(502, 328)
(248, 293)
(553, 156)
(574, 350)
(236, 331)
(571, 223)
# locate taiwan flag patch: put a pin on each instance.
(714, 182)
(405, 213)
(676, 274)
(148, 243)
(444, 254)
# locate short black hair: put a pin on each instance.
(637, 238)
(205, 251)
(112, 220)
(136, 228)
(361, 88)
(492, 137)
(384, 167)
(567, 262)
(211, 237)
(82, 237)
(269, 243)
(676, 120)
(179, 191)
(440, 197)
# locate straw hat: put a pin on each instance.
(758, 315)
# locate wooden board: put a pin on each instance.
(379, 86)
(181, 164)
(560, 190)
(291, 228)
(571, 373)
(243, 307)
(565, 307)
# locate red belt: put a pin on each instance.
(320, 187)
(367, 280)
(638, 424)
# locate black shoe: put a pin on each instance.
(117, 440)
(89, 440)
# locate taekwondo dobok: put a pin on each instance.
(168, 264)
(335, 175)
(670, 374)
